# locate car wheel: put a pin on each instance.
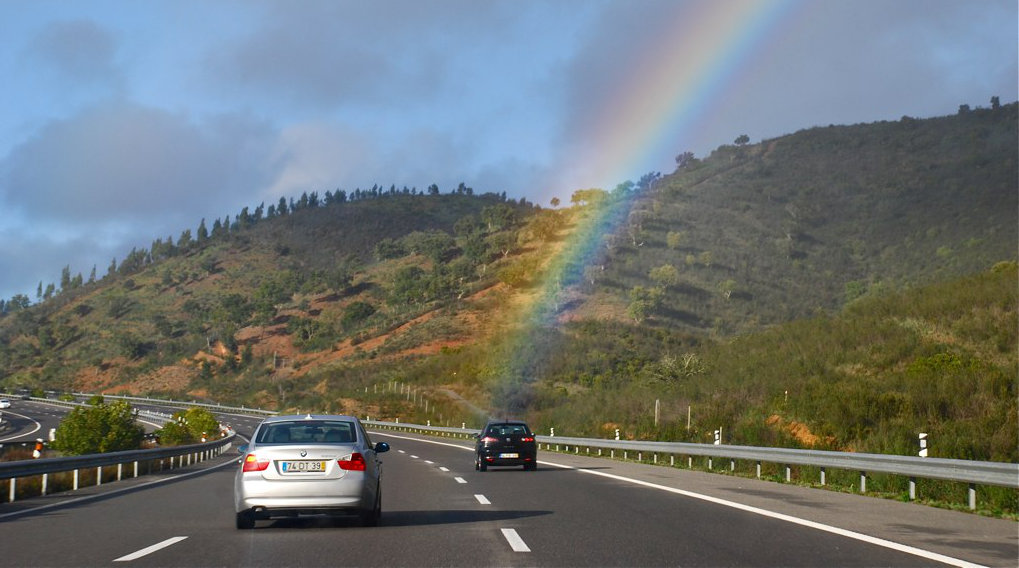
(482, 466)
(533, 466)
(245, 520)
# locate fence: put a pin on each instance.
(184, 456)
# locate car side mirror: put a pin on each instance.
(381, 447)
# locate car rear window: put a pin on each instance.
(507, 430)
(307, 432)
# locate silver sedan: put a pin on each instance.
(309, 465)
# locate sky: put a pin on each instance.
(124, 121)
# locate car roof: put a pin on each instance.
(520, 422)
(298, 417)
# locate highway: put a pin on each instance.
(438, 511)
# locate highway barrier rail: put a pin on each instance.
(964, 471)
(155, 459)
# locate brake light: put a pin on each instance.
(255, 463)
(527, 439)
(490, 439)
(353, 462)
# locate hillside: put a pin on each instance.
(431, 307)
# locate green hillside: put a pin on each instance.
(841, 287)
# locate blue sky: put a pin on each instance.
(125, 121)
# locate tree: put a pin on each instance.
(586, 197)
(742, 140)
(99, 428)
(643, 302)
(665, 275)
(674, 238)
(685, 160)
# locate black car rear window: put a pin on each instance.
(507, 430)
(307, 432)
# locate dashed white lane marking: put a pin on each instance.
(429, 462)
(514, 540)
(149, 550)
(482, 499)
(919, 552)
(460, 480)
(413, 456)
(443, 468)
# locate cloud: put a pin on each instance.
(79, 52)
(88, 188)
(124, 162)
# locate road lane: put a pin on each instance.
(563, 517)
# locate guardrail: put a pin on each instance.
(179, 403)
(965, 471)
(184, 456)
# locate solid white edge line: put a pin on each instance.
(150, 549)
(789, 519)
(764, 512)
(482, 499)
(514, 540)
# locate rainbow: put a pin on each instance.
(679, 81)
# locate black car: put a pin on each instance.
(506, 443)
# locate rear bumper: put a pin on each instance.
(253, 493)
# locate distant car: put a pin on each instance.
(506, 443)
(5, 403)
(309, 465)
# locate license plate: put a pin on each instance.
(509, 455)
(303, 466)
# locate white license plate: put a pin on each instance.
(509, 455)
(303, 466)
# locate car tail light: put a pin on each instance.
(527, 439)
(488, 439)
(255, 463)
(353, 462)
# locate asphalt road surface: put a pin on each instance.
(438, 511)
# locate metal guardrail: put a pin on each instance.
(179, 403)
(193, 453)
(965, 471)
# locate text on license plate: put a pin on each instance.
(509, 455)
(303, 466)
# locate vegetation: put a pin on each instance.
(844, 287)
(189, 427)
(98, 428)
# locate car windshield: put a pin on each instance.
(307, 432)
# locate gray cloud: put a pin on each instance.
(78, 52)
(124, 162)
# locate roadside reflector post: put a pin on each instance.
(863, 482)
(923, 444)
(973, 496)
(912, 489)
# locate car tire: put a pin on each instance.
(482, 466)
(533, 466)
(245, 520)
